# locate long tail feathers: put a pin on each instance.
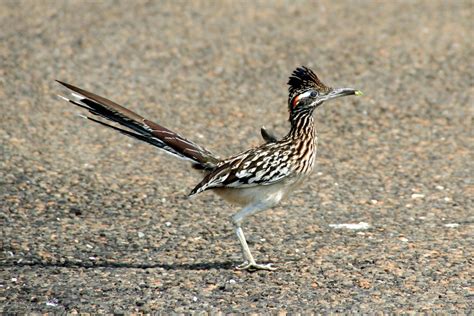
(140, 128)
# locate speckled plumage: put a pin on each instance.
(258, 178)
(268, 163)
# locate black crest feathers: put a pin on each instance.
(303, 79)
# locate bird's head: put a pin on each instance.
(306, 91)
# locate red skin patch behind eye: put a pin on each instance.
(295, 100)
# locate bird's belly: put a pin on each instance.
(270, 195)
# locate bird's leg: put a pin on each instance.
(249, 263)
(245, 247)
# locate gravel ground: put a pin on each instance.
(93, 221)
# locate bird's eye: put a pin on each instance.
(307, 94)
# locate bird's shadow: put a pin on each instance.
(223, 265)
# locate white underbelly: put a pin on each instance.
(270, 195)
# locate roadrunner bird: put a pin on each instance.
(256, 179)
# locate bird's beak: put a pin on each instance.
(341, 92)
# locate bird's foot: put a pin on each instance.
(253, 266)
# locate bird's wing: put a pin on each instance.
(264, 165)
(267, 136)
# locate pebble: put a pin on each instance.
(451, 225)
(360, 225)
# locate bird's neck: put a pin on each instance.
(302, 125)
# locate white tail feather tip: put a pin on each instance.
(63, 97)
(82, 116)
(77, 96)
